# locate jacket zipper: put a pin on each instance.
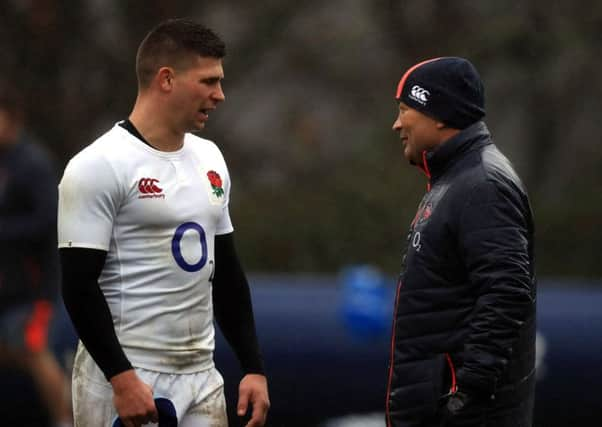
(425, 168)
(392, 358)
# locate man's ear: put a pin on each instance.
(165, 77)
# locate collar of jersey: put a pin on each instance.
(143, 146)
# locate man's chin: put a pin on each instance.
(409, 159)
(198, 127)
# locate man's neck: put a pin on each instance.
(447, 133)
(153, 127)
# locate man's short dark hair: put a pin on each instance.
(173, 43)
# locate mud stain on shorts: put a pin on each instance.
(212, 410)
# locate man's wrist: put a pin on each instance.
(253, 367)
(120, 380)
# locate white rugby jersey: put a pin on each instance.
(156, 214)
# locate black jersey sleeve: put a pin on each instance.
(89, 310)
(233, 309)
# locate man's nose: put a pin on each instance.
(218, 95)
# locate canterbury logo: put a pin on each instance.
(149, 189)
(419, 94)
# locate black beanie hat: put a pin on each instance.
(448, 89)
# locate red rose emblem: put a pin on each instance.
(216, 183)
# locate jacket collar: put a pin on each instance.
(437, 160)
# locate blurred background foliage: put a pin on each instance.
(319, 178)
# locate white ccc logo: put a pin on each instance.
(420, 94)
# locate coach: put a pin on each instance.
(463, 339)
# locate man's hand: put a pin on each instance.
(466, 408)
(253, 389)
(133, 400)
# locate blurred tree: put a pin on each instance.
(319, 180)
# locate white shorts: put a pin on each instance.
(198, 397)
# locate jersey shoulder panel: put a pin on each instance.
(93, 167)
(204, 147)
(211, 156)
(90, 193)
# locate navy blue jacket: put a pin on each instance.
(28, 209)
(465, 306)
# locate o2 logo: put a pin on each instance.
(416, 241)
(176, 247)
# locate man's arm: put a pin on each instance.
(232, 305)
(494, 240)
(233, 312)
(93, 322)
(88, 308)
